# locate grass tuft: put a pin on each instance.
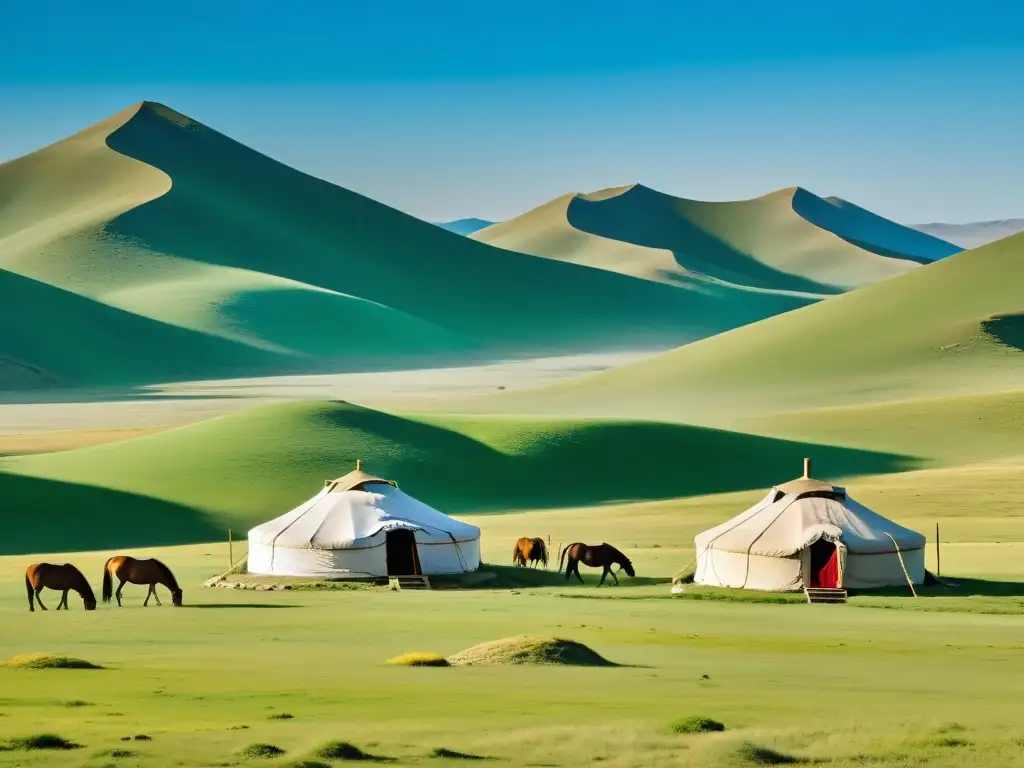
(48, 661)
(418, 659)
(695, 724)
(74, 703)
(754, 754)
(342, 750)
(309, 764)
(530, 650)
(281, 716)
(261, 752)
(142, 737)
(43, 741)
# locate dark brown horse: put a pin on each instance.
(150, 572)
(530, 551)
(40, 576)
(598, 556)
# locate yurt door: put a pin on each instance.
(403, 560)
(824, 565)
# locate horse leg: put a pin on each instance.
(149, 592)
(38, 599)
(118, 593)
(576, 570)
(155, 595)
(614, 576)
(63, 601)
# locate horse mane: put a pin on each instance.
(85, 588)
(172, 583)
(617, 552)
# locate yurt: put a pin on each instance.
(362, 526)
(809, 534)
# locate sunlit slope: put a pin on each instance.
(790, 240)
(191, 483)
(949, 328)
(154, 214)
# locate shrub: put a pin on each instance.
(758, 755)
(262, 751)
(43, 741)
(695, 724)
(342, 750)
(48, 661)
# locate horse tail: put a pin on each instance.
(562, 558)
(515, 553)
(31, 593)
(108, 583)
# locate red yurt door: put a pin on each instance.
(824, 565)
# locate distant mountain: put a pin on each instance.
(787, 241)
(974, 234)
(465, 226)
(151, 248)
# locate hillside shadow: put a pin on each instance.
(43, 515)
(1008, 330)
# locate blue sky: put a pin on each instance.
(449, 108)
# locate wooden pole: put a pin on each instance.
(231, 552)
(938, 552)
(900, 556)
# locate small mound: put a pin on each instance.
(308, 764)
(119, 754)
(261, 751)
(696, 724)
(754, 754)
(43, 741)
(281, 716)
(342, 750)
(418, 659)
(442, 753)
(530, 650)
(142, 737)
(48, 661)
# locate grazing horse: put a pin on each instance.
(128, 569)
(599, 556)
(40, 576)
(530, 551)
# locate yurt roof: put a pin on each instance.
(808, 484)
(354, 479)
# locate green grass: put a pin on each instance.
(529, 650)
(919, 335)
(47, 661)
(696, 724)
(418, 659)
(778, 243)
(191, 676)
(248, 466)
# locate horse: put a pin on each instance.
(530, 551)
(598, 556)
(150, 572)
(539, 553)
(40, 576)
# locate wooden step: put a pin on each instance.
(408, 582)
(824, 595)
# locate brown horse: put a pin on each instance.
(530, 551)
(40, 576)
(598, 556)
(150, 572)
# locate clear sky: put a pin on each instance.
(451, 108)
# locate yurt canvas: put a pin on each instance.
(806, 533)
(362, 526)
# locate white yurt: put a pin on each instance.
(809, 534)
(361, 526)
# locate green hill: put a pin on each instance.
(173, 230)
(790, 240)
(190, 483)
(952, 328)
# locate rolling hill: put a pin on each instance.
(974, 234)
(790, 240)
(153, 248)
(952, 328)
(190, 483)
